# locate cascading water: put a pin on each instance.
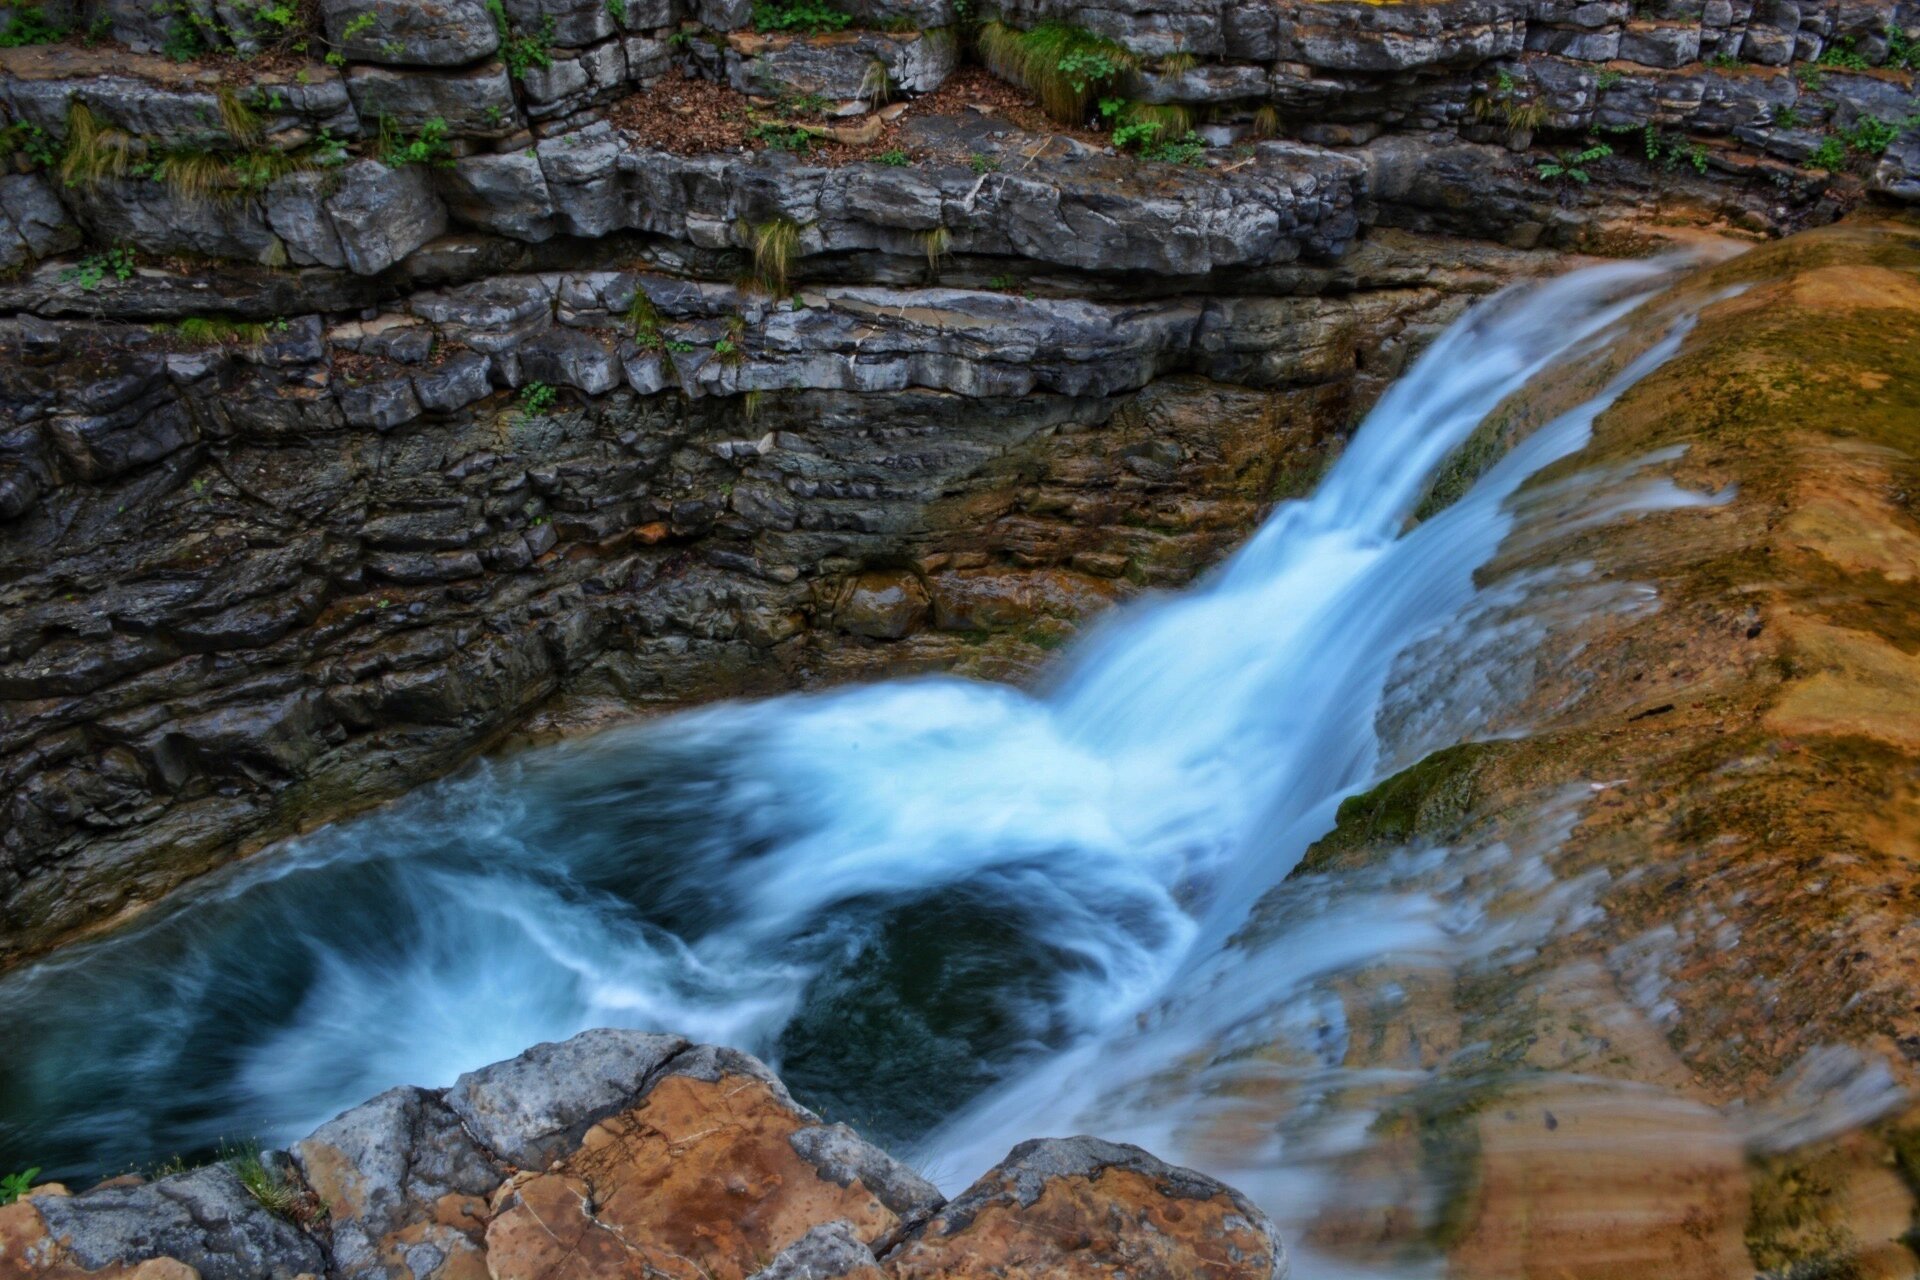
(914, 897)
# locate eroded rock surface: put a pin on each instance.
(641, 1154)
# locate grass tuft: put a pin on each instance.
(94, 152)
(773, 245)
(1064, 67)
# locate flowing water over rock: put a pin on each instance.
(919, 899)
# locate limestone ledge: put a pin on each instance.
(624, 1152)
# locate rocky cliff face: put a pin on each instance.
(375, 388)
(625, 1153)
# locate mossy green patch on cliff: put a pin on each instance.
(1429, 799)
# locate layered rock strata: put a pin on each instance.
(626, 1153)
(375, 389)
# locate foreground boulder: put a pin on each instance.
(623, 1153)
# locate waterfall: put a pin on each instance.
(943, 908)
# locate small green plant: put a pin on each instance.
(895, 157)
(30, 142)
(617, 10)
(810, 17)
(1787, 117)
(1842, 56)
(1872, 136)
(522, 51)
(983, 163)
(1810, 77)
(773, 244)
(1725, 62)
(1606, 80)
(265, 1184)
(1572, 165)
(27, 25)
(1188, 149)
(1830, 155)
(94, 269)
(1136, 134)
(1902, 54)
(536, 398)
(679, 347)
(429, 147)
(15, 1185)
(1178, 64)
(358, 25)
(781, 137)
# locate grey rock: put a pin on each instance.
(457, 382)
(33, 223)
(534, 1108)
(477, 103)
(381, 405)
(203, 1217)
(827, 1252)
(443, 33)
(386, 1165)
(843, 1156)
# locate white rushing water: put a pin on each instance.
(948, 889)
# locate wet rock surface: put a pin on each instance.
(648, 1156)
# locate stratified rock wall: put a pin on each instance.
(372, 394)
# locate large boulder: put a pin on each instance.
(1068, 1208)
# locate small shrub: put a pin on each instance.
(27, 25)
(519, 50)
(1064, 67)
(983, 163)
(617, 10)
(1831, 155)
(1725, 62)
(536, 398)
(1787, 117)
(1902, 54)
(1841, 56)
(895, 157)
(31, 143)
(1266, 122)
(781, 137)
(810, 17)
(430, 147)
(15, 1185)
(211, 331)
(93, 270)
(1190, 149)
(1606, 80)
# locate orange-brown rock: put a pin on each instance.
(1083, 1209)
(711, 1173)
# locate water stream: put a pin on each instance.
(944, 909)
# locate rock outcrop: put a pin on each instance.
(622, 1153)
